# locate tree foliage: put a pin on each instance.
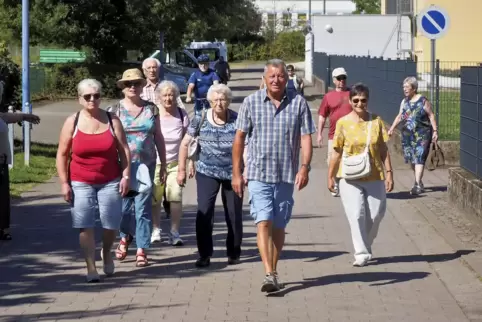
(367, 6)
(110, 27)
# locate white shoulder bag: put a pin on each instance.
(358, 166)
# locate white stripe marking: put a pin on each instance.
(434, 23)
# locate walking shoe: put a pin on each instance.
(422, 187)
(175, 239)
(280, 284)
(203, 262)
(233, 261)
(416, 190)
(270, 284)
(156, 235)
(361, 261)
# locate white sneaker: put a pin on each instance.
(156, 235)
(175, 239)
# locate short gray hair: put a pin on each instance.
(220, 89)
(167, 84)
(276, 63)
(89, 83)
(412, 81)
(149, 59)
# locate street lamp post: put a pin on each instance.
(26, 106)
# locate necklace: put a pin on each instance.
(214, 120)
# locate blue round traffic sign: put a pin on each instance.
(433, 22)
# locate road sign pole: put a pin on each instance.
(432, 71)
(26, 107)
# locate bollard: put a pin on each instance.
(11, 135)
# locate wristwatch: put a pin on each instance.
(126, 177)
(307, 166)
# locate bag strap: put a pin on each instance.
(76, 120)
(203, 116)
(111, 124)
(369, 134)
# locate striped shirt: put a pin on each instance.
(274, 135)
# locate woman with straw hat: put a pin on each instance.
(142, 126)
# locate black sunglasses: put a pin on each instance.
(133, 83)
(363, 100)
(340, 78)
(88, 97)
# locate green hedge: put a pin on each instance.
(286, 46)
(10, 75)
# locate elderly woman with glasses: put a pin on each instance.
(362, 135)
(174, 123)
(143, 128)
(215, 129)
(91, 144)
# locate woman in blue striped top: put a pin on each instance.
(213, 171)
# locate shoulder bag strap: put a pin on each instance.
(203, 116)
(111, 124)
(369, 134)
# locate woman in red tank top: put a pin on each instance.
(94, 181)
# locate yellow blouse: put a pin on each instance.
(350, 137)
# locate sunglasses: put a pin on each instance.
(357, 100)
(133, 83)
(340, 78)
(88, 97)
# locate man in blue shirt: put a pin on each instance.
(199, 82)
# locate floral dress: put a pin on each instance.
(416, 131)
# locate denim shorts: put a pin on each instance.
(88, 200)
(271, 202)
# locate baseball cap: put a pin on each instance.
(338, 72)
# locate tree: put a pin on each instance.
(367, 6)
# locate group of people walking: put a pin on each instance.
(124, 163)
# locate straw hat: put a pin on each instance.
(131, 75)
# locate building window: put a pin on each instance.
(286, 20)
(302, 19)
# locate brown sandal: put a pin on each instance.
(142, 262)
(119, 254)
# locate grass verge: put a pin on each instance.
(448, 114)
(41, 169)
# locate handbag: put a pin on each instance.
(358, 166)
(193, 147)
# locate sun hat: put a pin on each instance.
(131, 75)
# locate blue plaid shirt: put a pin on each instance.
(274, 135)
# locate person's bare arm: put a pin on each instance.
(122, 146)
(385, 156)
(431, 116)
(306, 149)
(321, 124)
(334, 163)
(397, 120)
(63, 150)
(19, 117)
(159, 141)
(183, 152)
(190, 88)
(238, 152)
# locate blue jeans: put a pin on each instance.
(271, 202)
(88, 200)
(141, 205)
(200, 104)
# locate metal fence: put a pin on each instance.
(471, 120)
(385, 77)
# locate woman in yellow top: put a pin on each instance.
(364, 198)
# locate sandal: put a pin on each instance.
(119, 254)
(5, 235)
(141, 260)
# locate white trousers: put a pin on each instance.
(365, 203)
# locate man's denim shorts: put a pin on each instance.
(271, 202)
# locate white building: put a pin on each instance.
(294, 13)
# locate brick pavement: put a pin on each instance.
(418, 274)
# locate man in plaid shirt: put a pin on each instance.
(276, 123)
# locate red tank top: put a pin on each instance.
(94, 158)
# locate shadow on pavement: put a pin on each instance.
(421, 258)
(44, 257)
(404, 195)
(374, 278)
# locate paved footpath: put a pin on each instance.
(426, 261)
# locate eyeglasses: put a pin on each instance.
(223, 100)
(340, 78)
(132, 83)
(88, 97)
(357, 100)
